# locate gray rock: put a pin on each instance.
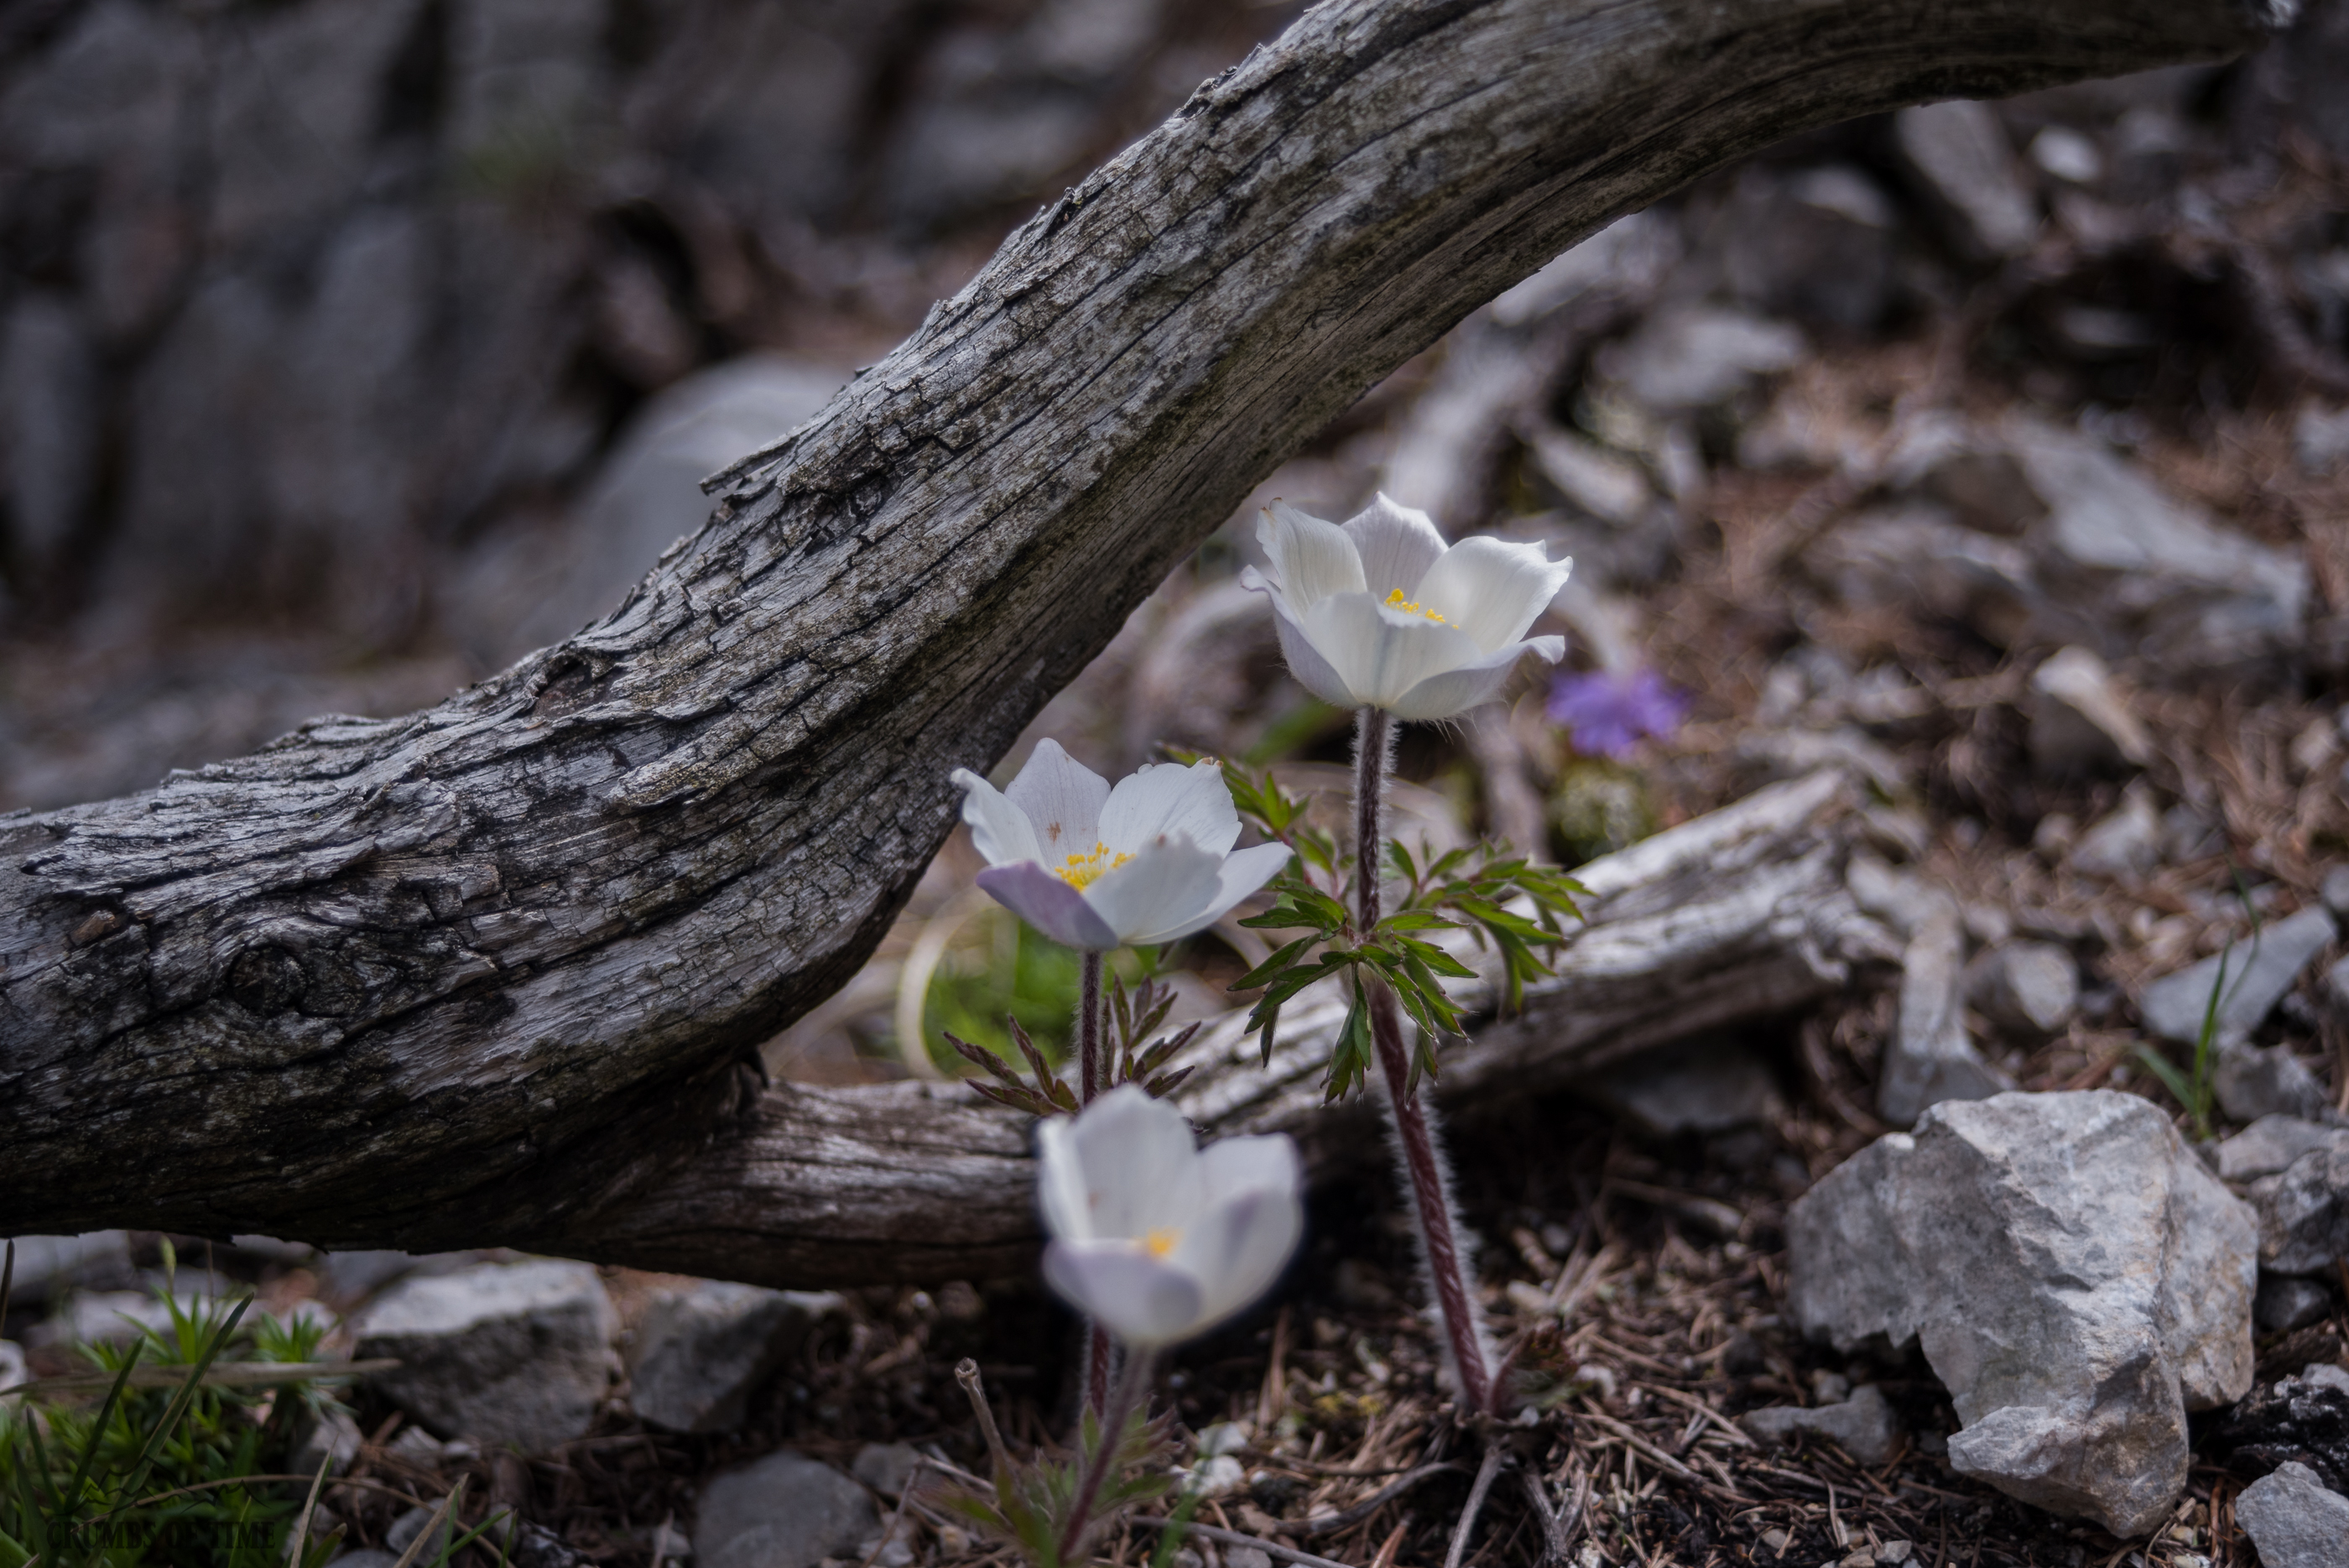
(2132, 571)
(1917, 557)
(523, 594)
(2015, 1238)
(785, 1511)
(2335, 892)
(887, 1467)
(1690, 358)
(1704, 1086)
(2080, 723)
(2269, 1144)
(46, 1266)
(348, 1277)
(1959, 153)
(2284, 1303)
(514, 1353)
(13, 1369)
(2254, 1081)
(48, 422)
(409, 1528)
(364, 1557)
(332, 1439)
(2251, 977)
(1864, 1426)
(2294, 1520)
(2124, 845)
(2031, 988)
(701, 1350)
(2305, 1211)
(1931, 1057)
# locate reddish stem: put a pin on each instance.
(1428, 1177)
(1089, 1030)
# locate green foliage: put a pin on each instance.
(1026, 979)
(1030, 1505)
(2192, 1086)
(1134, 1057)
(1510, 906)
(160, 1474)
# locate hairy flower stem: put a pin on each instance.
(1130, 1388)
(1089, 1030)
(1091, 1083)
(1426, 1172)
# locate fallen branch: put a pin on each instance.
(494, 972)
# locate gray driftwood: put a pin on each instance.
(494, 972)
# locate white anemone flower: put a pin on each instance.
(1153, 1238)
(1379, 613)
(1095, 868)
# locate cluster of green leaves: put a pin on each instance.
(1027, 979)
(1134, 1057)
(1510, 906)
(164, 1470)
(1028, 1505)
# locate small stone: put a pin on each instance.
(2125, 845)
(1706, 1085)
(48, 1266)
(351, 1277)
(2294, 1520)
(785, 1510)
(1931, 1058)
(2257, 973)
(2254, 1081)
(504, 1354)
(1960, 154)
(702, 1350)
(2304, 1212)
(1248, 1557)
(1775, 1539)
(2008, 1238)
(887, 1467)
(2080, 721)
(2031, 988)
(330, 1437)
(364, 1557)
(2285, 1303)
(2271, 1144)
(13, 1370)
(410, 1527)
(1680, 360)
(1894, 1551)
(1864, 1426)
(2295, 1420)
(2335, 892)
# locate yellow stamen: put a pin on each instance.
(1080, 870)
(1410, 607)
(1158, 1243)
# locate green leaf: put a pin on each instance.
(1265, 972)
(1437, 958)
(1417, 920)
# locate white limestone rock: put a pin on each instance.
(702, 1350)
(2011, 1239)
(2294, 1520)
(504, 1354)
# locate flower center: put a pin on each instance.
(1158, 1243)
(1410, 606)
(1080, 870)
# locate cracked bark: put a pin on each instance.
(492, 973)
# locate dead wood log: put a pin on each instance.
(1739, 915)
(481, 973)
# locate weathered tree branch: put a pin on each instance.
(475, 974)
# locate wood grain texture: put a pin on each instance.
(466, 976)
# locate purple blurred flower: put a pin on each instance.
(1607, 714)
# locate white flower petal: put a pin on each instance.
(1397, 545)
(1383, 653)
(999, 829)
(1060, 1180)
(1471, 685)
(1049, 904)
(1231, 1166)
(1139, 1298)
(1242, 873)
(1306, 663)
(1311, 558)
(1492, 590)
(1167, 882)
(1236, 1249)
(1140, 1169)
(1062, 798)
(1167, 799)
